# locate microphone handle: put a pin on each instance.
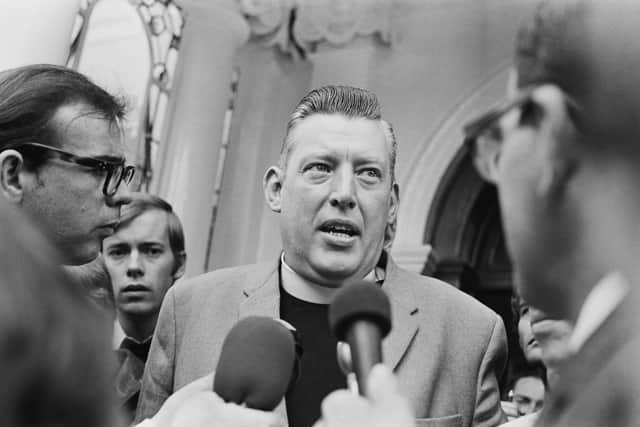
(365, 340)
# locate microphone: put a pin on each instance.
(257, 363)
(360, 314)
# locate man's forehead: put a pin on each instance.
(319, 132)
(86, 133)
(149, 226)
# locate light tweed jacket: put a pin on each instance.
(446, 348)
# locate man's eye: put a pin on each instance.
(318, 167)
(116, 253)
(370, 175)
(153, 251)
(317, 170)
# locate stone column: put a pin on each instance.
(36, 31)
(213, 32)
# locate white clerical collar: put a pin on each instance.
(305, 290)
(603, 299)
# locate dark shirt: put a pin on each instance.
(319, 370)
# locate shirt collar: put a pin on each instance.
(603, 299)
(306, 290)
(119, 335)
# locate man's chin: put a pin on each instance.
(139, 308)
(336, 274)
(86, 256)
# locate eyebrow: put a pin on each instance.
(330, 156)
(151, 243)
(107, 158)
(117, 245)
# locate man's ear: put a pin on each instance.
(181, 265)
(272, 184)
(11, 165)
(392, 217)
(557, 141)
(394, 203)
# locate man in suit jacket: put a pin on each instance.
(564, 153)
(336, 194)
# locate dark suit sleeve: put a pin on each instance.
(488, 412)
(157, 383)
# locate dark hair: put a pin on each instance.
(31, 95)
(143, 202)
(582, 47)
(536, 370)
(351, 102)
(55, 359)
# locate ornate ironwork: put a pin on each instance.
(80, 32)
(163, 22)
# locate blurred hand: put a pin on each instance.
(208, 409)
(385, 407)
(197, 405)
(510, 410)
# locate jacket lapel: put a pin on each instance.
(262, 298)
(261, 293)
(404, 325)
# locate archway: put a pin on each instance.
(465, 232)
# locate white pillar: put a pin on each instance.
(36, 31)
(213, 32)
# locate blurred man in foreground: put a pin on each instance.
(564, 154)
(335, 192)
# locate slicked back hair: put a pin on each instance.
(351, 102)
(142, 203)
(31, 95)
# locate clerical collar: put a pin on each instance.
(306, 290)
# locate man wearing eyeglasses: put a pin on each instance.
(564, 153)
(62, 163)
(62, 156)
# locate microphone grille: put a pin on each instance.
(362, 300)
(256, 363)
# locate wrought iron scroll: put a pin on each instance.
(163, 22)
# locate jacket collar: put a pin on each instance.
(262, 298)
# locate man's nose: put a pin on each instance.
(121, 197)
(343, 189)
(134, 265)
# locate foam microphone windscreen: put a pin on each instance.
(360, 314)
(256, 363)
(363, 301)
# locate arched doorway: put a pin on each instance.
(464, 229)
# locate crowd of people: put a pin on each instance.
(95, 331)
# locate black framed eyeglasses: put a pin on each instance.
(116, 170)
(483, 135)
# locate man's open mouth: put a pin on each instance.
(340, 228)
